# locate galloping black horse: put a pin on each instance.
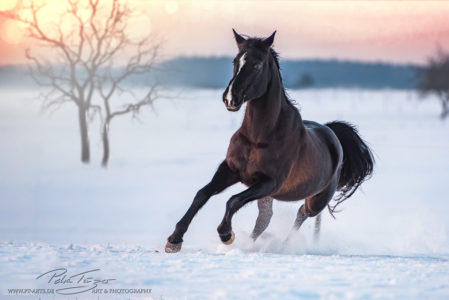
(276, 153)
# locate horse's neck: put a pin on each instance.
(262, 114)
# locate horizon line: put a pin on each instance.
(340, 60)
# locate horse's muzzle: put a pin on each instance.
(233, 108)
(232, 105)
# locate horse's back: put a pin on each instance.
(312, 124)
(324, 134)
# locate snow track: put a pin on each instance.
(389, 242)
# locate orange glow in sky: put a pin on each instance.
(11, 32)
(7, 5)
(397, 31)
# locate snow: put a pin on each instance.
(390, 240)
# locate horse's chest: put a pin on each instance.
(247, 159)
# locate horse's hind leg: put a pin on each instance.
(314, 205)
(265, 206)
(316, 230)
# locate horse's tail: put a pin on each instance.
(358, 160)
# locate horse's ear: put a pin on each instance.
(239, 39)
(269, 40)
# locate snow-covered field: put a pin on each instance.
(390, 240)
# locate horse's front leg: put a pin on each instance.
(262, 189)
(223, 178)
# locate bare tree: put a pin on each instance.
(434, 79)
(85, 58)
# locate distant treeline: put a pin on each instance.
(215, 72)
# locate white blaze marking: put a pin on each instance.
(242, 61)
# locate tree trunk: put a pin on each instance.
(445, 103)
(105, 138)
(85, 149)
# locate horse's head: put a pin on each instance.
(252, 72)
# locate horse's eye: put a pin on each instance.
(258, 66)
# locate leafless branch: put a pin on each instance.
(92, 60)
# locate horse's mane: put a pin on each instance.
(275, 56)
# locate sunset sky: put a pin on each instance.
(391, 31)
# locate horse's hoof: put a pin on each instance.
(230, 240)
(254, 237)
(172, 248)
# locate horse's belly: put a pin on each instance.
(305, 180)
(296, 192)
